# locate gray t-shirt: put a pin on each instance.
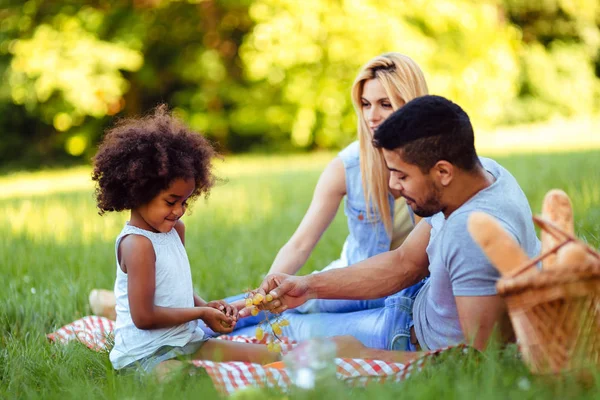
(457, 265)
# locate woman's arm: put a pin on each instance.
(138, 261)
(328, 194)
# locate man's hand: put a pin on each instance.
(288, 291)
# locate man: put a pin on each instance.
(428, 146)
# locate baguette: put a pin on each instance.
(572, 254)
(557, 209)
(497, 244)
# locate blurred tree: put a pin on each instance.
(306, 55)
(72, 65)
(560, 58)
(276, 74)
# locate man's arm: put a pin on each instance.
(378, 276)
(482, 316)
(481, 312)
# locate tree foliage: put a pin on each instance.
(277, 73)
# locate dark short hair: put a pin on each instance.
(140, 157)
(428, 129)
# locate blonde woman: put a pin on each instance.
(359, 174)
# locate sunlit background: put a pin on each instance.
(269, 82)
(271, 79)
(275, 75)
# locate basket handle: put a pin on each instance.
(557, 233)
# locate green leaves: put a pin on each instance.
(74, 64)
(277, 74)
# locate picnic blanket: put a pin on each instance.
(95, 332)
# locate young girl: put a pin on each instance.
(154, 167)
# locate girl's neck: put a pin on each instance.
(136, 220)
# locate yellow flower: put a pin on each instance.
(276, 328)
(258, 298)
(260, 334)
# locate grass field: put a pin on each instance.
(54, 248)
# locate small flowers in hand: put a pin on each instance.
(272, 322)
(257, 299)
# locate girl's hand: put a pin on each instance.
(224, 307)
(217, 320)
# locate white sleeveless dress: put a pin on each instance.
(173, 289)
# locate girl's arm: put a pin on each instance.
(199, 301)
(137, 258)
(180, 228)
(328, 194)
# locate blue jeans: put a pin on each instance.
(381, 323)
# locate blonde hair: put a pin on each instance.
(402, 80)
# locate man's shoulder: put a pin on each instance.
(455, 227)
(505, 181)
(503, 199)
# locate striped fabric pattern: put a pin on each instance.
(95, 333)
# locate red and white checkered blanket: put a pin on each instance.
(228, 377)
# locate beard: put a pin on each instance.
(430, 206)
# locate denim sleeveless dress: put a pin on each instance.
(367, 236)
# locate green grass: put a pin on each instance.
(54, 248)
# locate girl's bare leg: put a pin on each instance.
(223, 350)
(219, 350)
(350, 347)
(167, 369)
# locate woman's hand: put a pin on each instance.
(217, 320)
(226, 308)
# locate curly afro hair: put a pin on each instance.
(138, 158)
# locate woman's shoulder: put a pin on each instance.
(350, 155)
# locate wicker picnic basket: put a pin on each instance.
(555, 313)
